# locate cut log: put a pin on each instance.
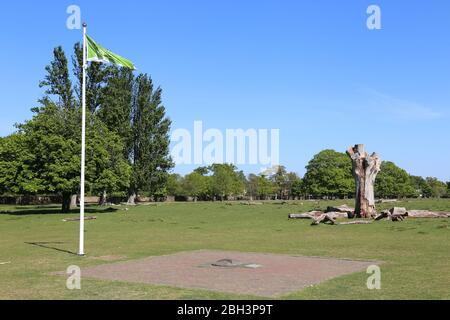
(365, 170)
(398, 211)
(397, 214)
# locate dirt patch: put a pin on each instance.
(276, 274)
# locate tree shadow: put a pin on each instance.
(21, 211)
(47, 245)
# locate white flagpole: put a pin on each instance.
(83, 143)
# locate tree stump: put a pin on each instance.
(365, 170)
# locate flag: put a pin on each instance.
(97, 53)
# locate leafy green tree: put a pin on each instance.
(196, 185)
(53, 162)
(57, 81)
(149, 145)
(292, 180)
(51, 143)
(329, 174)
(107, 167)
(174, 185)
(421, 186)
(251, 186)
(280, 181)
(15, 178)
(393, 182)
(108, 99)
(297, 189)
(265, 187)
(226, 181)
(202, 170)
(116, 103)
(438, 188)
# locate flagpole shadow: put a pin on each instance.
(47, 245)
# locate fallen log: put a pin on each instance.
(341, 215)
(343, 209)
(397, 214)
(324, 218)
(78, 219)
(301, 216)
(310, 213)
(427, 214)
(318, 214)
(383, 215)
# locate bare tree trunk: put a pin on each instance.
(365, 170)
(66, 202)
(103, 198)
(132, 198)
(73, 201)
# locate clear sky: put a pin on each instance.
(309, 68)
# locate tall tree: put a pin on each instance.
(265, 187)
(393, 182)
(108, 169)
(53, 164)
(57, 81)
(293, 185)
(227, 181)
(329, 174)
(297, 189)
(196, 185)
(174, 185)
(95, 79)
(149, 145)
(421, 187)
(15, 176)
(252, 186)
(280, 181)
(116, 103)
(438, 188)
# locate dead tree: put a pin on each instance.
(365, 170)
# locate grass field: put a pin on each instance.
(36, 242)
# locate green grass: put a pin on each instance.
(416, 252)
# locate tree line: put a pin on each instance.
(127, 135)
(127, 151)
(328, 176)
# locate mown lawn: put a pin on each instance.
(36, 242)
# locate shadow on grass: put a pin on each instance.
(49, 245)
(23, 211)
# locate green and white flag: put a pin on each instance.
(97, 53)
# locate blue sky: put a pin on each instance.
(309, 68)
